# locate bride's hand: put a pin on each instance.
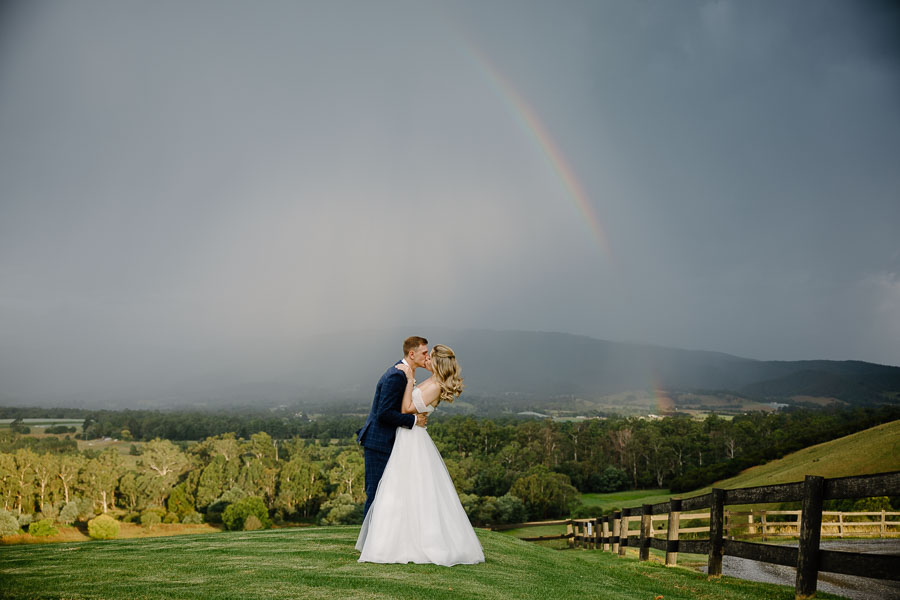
(407, 370)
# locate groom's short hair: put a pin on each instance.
(413, 342)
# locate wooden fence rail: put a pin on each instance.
(615, 533)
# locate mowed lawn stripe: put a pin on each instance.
(321, 563)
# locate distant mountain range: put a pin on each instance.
(515, 369)
(539, 366)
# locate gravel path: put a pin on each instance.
(856, 588)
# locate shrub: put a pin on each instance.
(42, 528)
(25, 519)
(340, 510)
(85, 509)
(180, 501)
(252, 523)
(192, 518)
(69, 513)
(611, 479)
(510, 509)
(470, 504)
(9, 525)
(170, 518)
(236, 514)
(103, 527)
(149, 518)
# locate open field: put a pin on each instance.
(37, 424)
(875, 450)
(606, 502)
(321, 563)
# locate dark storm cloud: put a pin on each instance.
(193, 188)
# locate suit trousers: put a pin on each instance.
(375, 463)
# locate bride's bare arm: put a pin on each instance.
(408, 408)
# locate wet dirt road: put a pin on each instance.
(856, 588)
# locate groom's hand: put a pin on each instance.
(422, 419)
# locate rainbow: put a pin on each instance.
(663, 401)
(537, 132)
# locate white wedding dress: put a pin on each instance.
(416, 515)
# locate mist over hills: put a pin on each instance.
(528, 369)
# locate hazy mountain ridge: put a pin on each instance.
(535, 368)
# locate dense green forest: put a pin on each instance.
(297, 469)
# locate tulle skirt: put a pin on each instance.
(416, 515)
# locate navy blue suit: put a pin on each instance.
(377, 434)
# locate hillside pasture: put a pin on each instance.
(322, 563)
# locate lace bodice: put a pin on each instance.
(419, 403)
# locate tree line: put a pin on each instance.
(504, 470)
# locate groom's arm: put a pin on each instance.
(387, 415)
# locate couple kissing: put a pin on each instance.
(412, 511)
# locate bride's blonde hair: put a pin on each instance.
(446, 369)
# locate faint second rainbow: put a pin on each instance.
(534, 129)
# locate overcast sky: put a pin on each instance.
(190, 184)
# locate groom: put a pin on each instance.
(377, 434)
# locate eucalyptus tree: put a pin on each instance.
(161, 463)
(67, 468)
(23, 479)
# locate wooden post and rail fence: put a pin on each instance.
(613, 532)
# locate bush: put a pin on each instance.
(85, 509)
(103, 527)
(192, 518)
(170, 518)
(180, 501)
(25, 519)
(510, 509)
(42, 528)
(340, 510)
(9, 525)
(581, 511)
(611, 479)
(252, 523)
(470, 504)
(236, 514)
(149, 518)
(69, 513)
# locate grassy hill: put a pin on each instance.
(321, 563)
(874, 450)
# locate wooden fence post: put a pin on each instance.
(570, 531)
(810, 533)
(606, 535)
(623, 531)
(646, 531)
(617, 531)
(672, 533)
(716, 532)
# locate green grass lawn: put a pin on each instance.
(321, 563)
(606, 502)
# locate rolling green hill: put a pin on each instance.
(321, 563)
(875, 450)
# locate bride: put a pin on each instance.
(416, 515)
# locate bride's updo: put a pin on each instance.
(446, 369)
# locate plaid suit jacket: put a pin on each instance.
(380, 427)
